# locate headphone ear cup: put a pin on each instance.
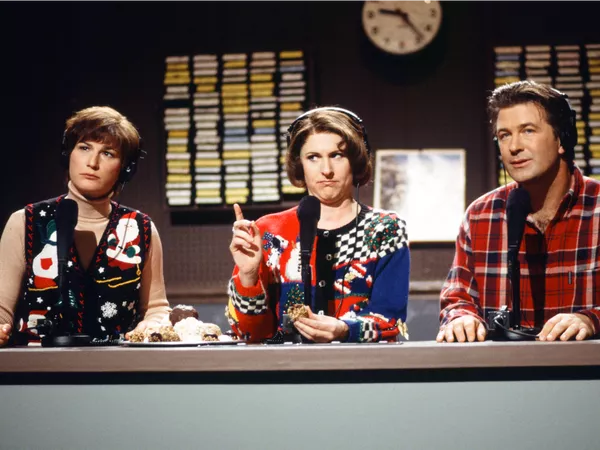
(570, 134)
(64, 159)
(64, 152)
(129, 170)
(127, 173)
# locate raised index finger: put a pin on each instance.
(238, 212)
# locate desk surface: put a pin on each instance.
(316, 357)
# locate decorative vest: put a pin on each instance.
(103, 299)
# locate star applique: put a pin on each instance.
(40, 300)
(70, 264)
(43, 213)
(101, 270)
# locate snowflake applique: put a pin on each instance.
(40, 300)
(109, 310)
(42, 213)
(101, 270)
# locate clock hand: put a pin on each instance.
(409, 22)
(390, 12)
(405, 17)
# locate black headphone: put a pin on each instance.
(567, 128)
(127, 171)
(357, 120)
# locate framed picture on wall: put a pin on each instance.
(425, 187)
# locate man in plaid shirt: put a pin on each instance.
(559, 254)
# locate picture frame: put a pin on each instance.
(425, 187)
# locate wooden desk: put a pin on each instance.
(410, 395)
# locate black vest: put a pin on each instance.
(103, 299)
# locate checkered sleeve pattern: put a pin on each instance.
(560, 268)
(246, 305)
(378, 234)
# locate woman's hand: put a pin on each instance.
(141, 327)
(321, 328)
(5, 331)
(246, 248)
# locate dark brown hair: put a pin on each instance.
(106, 125)
(329, 121)
(552, 102)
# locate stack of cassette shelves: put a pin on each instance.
(225, 118)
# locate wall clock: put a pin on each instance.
(401, 27)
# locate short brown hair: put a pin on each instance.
(552, 102)
(329, 121)
(106, 125)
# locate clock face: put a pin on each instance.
(401, 27)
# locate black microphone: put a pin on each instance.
(309, 213)
(518, 206)
(66, 220)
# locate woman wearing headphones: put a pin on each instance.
(360, 259)
(114, 270)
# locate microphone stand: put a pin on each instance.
(307, 277)
(514, 270)
(516, 332)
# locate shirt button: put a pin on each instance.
(325, 233)
(322, 283)
(328, 256)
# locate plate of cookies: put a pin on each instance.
(182, 328)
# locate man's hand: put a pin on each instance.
(567, 326)
(462, 329)
(320, 328)
(5, 331)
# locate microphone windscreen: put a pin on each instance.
(309, 209)
(66, 220)
(518, 206)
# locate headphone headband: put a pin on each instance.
(346, 112)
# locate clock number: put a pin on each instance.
(427, 27)
(374, 30)
(371, 14)
(433, 13)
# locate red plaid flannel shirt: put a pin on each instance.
(560, 269)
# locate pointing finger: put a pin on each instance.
(238, 212)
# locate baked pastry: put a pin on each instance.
(296, 311)
(181, 312)
(136, 336)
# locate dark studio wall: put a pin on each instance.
(61, 57)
